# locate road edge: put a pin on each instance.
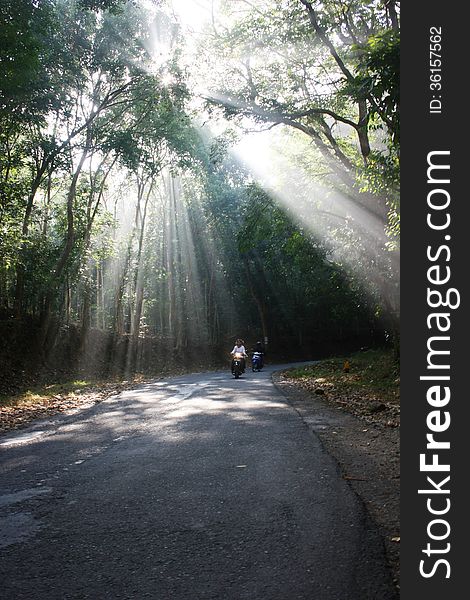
(362, 452)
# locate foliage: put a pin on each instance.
(379, 72)
(319, 298)
(329, 70)
(118, 212)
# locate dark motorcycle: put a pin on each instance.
(237, 365)
(257, 361)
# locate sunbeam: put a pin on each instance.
(183, 179)
(321, 210)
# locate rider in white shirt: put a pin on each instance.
(239, 348)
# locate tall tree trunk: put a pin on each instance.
(260, 304)
(65, 255)
(138, 289)
(68, 301)
(3, 289)
(363, 129)
(391, 7)
(20, 267)
(86, 314)
(139, 275)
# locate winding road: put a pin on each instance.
(196, 487)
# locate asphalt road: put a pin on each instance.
(195, 487)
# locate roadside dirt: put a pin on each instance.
(16, 416)
(366, 446)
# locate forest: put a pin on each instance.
(174, 175)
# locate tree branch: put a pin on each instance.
(323, 111)
(326, 40)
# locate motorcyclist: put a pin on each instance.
(258, 347)
(239, 348)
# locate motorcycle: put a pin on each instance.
(256, 361)
(237, 365)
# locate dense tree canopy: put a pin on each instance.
(125, 209)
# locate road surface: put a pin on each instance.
(197, 487)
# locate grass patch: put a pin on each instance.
(47, 393)
(47, 399)
(40, 394)
(372, 373)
